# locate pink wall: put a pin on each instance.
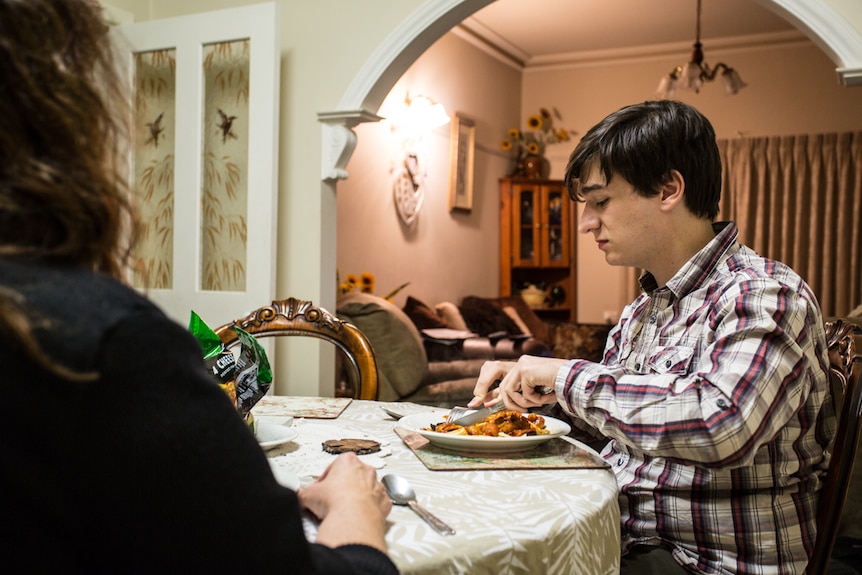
(792, 89)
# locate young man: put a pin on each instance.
(713, 389)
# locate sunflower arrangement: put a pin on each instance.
(539, 134)
(365, 283)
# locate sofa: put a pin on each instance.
(433, 355)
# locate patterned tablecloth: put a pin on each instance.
(508, 521)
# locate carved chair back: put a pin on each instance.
(847, 397)
(293, 317)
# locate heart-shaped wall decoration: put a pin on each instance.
(408, 190)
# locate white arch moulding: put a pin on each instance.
(818, 20)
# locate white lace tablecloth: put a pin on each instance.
(524, 521)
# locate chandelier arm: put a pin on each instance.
(675, 73)
(709, 73)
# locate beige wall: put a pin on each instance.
(325, 44)
(447, 257)
(318, 64)
(444, 255)
(791, 89)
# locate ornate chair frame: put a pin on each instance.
(847, 398)
(293, 317)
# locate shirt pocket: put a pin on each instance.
(673, 359)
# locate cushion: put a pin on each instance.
(401, 359)
(423, 317)
(484, 318)
(535, 325)
(513, 313)
(451, 315)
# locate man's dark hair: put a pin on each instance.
(644, 142)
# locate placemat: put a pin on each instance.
(556, 453)
(298, 406)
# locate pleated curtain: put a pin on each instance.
(798, 199)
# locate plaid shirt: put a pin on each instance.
(715, 393)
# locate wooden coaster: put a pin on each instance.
(358, 446)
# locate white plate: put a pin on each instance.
(477, 443)
(273, 435)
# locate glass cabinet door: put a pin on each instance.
(555, 232)
(526, 226)
(537, 245)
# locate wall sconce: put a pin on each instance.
(420, 115)
(695, 72)
(410, 124)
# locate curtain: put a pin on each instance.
(798, 199)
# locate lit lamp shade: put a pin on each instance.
(732, 82)
(667, 86)
(424, 115)
(692, 76)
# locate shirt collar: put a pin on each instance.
(693, 273)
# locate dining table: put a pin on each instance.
(522, 514)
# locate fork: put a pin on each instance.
(459, 412)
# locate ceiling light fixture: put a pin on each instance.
(695, 72)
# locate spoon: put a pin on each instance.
(401, 493)
(393, 414)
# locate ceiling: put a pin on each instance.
(537, 32)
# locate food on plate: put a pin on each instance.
(501, 424)
(358, 446)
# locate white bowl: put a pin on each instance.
(533, 296)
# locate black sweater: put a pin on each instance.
(147, 470)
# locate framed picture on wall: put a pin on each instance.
(463, 143)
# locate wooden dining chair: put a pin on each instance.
(847, 396)
(293, 317)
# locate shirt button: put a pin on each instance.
(652, 318)
(722, 404)
(620, 462)
(638, 366)
(667, 363)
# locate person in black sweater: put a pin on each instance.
(120, 454)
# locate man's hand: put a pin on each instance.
(518, 382)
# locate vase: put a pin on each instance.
(536, 166)
(558, 295)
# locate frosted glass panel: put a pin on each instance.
(224, 196)
(153, 159)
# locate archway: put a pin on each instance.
(817, 19)
(430, 21)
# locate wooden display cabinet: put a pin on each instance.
(537, 243)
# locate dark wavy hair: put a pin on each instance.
(64, 126)
(644, 142)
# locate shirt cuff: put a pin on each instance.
(562, 374)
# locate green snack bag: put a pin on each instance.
(207, 338)
(218, 360)
(253, 374)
